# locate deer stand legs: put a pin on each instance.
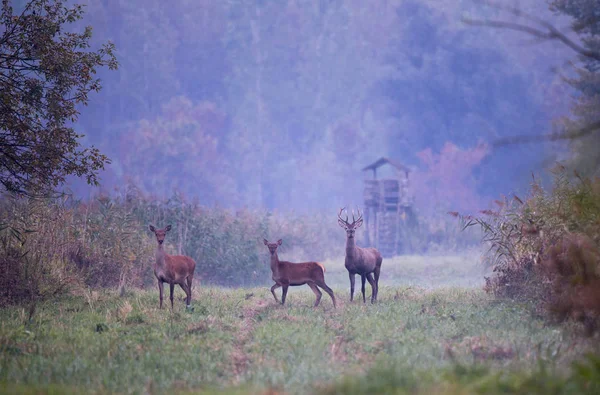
(160, 292)
(317, 292)
(351, 275)
(362, 288)
(374, 287)
(273, 288)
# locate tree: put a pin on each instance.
(451, 85)
(46, 72)
(180, 148)
(586, 109)
(583, 130)
(447, 180)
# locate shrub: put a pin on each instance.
(547, 248)
(109, 245)
(34, 246)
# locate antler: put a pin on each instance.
(340, 217)
(355, 221)
(359, 215)
(359, 220)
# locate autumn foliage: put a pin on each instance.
(447, 178)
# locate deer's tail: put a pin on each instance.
(322, 267)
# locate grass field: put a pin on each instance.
(418, 338)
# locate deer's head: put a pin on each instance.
(272, 246)
(159, 233)
(350, 228)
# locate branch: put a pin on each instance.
(589, 129)
(8, 35)
(551, 32)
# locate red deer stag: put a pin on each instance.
(363, 261)
(295, 274)
(172, 269)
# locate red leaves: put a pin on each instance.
(448, 177)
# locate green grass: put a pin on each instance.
(445, 340)
(462, 270)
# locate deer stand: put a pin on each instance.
(389, 213)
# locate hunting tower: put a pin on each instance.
(388, 208)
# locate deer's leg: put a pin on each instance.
(373, 287)
(184, 287)
(377, 271)
(190, 279)
(160, 292)
(328, 290)
(362, 288)
(317, 292)
(351, 285)
(285, 289)
(172, 288)
(273, 288)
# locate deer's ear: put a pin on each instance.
(359, 223)
(152, 228)
(265, 241)
(279, 241)
(168, 228)
(341, 223)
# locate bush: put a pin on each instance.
(34, 247)
(107, 245)
(547, 248)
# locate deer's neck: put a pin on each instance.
(275, 263)
(350, 247)
(160, 256)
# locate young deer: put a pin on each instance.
(295, 274)
(363, 261)
(172, 269)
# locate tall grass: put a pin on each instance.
(34, 248)
(48, 244)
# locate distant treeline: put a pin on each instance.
(276, 104)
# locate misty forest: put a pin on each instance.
(294, 196)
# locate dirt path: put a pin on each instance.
(239, 358)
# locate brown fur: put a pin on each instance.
(322, 267)
(287, 274)
(363, 261)
(172, 269)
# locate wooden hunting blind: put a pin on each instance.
(388, 208)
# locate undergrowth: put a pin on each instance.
(546, 247)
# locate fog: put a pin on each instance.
(280, 104)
